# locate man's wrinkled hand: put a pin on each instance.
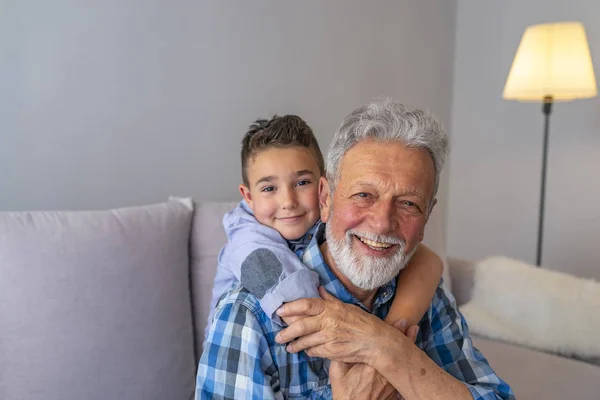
(290, 320)
(332, 329)
(359, 382)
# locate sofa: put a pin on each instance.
(532, 374)
(112, 304)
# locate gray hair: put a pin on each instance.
(388, 120)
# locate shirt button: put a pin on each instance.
(309, 236)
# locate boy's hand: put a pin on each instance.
(411, 332)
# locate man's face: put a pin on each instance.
(377, 214)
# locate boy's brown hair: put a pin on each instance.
(281, 132)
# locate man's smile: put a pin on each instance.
(380, 248)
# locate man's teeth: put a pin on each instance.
(372, 243)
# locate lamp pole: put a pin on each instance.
(547, 110)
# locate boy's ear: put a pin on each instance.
(245, 192)
(324, 199)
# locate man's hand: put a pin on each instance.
(361, 381)
(335, 330)
(290, 320)
(358, 381)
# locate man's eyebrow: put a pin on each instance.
(362, 183)
(266, 179)
(407, 192)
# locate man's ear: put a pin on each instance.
(324, 199)
(433, 203)
(245, 192)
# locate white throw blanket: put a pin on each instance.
(535, 307)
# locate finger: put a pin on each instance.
(325, 295)
(290, 320)
(338, 369)
(412, 333)
(325, 351)
(301, 307)
(401, 325)
(297, 329)
(310, 341)
(319, 351)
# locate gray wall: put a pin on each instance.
(497, 145)
(111, 103)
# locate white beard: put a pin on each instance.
(366, 272)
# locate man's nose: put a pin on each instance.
(289, 199)
(383, 218)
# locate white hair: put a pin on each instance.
(388, 120)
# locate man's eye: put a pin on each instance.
(302, 183)
(363, 195)
(411, 206)
(268, 189)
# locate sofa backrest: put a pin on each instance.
(96, 305)
(207, 238)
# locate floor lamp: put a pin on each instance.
(552, 64)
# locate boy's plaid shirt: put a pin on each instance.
(241, 359)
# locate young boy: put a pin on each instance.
(270, 228)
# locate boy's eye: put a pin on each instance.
(302, 183)
(268, 189)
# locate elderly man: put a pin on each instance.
(383, 170)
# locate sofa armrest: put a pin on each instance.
(461, 276)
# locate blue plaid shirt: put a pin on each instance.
(241, 359)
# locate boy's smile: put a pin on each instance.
(283, 190)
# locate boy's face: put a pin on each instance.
(283, 190)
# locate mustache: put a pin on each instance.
(374, 237)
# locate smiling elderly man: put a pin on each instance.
(383, 171)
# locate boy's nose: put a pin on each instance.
(289, 201)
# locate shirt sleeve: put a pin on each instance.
(236, 362)
(262, 261)
(450, 346)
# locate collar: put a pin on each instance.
(305, 240)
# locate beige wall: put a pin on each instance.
(117, 102)
(495, 165)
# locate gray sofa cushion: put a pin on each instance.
(208, 236)
(534, 375)
(96, 305)
(462, 274)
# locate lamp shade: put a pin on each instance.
(552, 60)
